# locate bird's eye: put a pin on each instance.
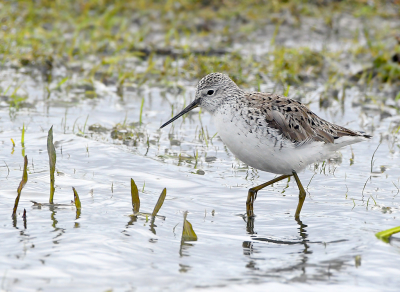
(210, 92)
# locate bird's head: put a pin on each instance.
(211, 92)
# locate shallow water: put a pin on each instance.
(334, 243)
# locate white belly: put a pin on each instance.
(269, 153)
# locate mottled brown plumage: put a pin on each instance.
(294, 120)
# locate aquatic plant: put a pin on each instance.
(159, 203)
(188, 233)
(136, 202)
(77, 203)
(21, 185)
(76, 199)
(52, 162)
(386, 234)
(135, 197)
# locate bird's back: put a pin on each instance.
(293, 119)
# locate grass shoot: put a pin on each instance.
(386, 234)
(23, 135)
(52, 162)
(188, 233)
(21, 184)
(160, 202)
(76, 199)
(141, 111)
(135, 197)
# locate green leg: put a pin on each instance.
(252, 195)
(302, 196)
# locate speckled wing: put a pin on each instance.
(294, 120)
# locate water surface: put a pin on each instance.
(332, 247)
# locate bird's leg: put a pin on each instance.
(251, 197)
(302, 195)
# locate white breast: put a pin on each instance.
(268, 152)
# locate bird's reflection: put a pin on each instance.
(299, 264)
(250, 230)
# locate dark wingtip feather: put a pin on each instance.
(361, 133)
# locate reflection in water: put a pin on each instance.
(54, 225)
(24, 218)
(184, 268)
(184, 248)
(131, 221)
(302, 232)
(324, 269)
(134, 219)
(248, 248)
(152, 225)
(14, 220)
(53, 218)
(25, 237)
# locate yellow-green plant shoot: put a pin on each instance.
(385, 235)
(135, 197)
(76, 199)
(159, 202)
(188, 233)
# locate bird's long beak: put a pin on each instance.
(187, 109)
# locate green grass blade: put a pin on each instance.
(23, 135)
(286, 93)
(52, 162)
(141, 111)
(61, 82)
(21, 184)
(188, 233)
(385, 235)
(135, 197)
(76, 199)
(159, 202)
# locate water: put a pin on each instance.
(332, 247)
